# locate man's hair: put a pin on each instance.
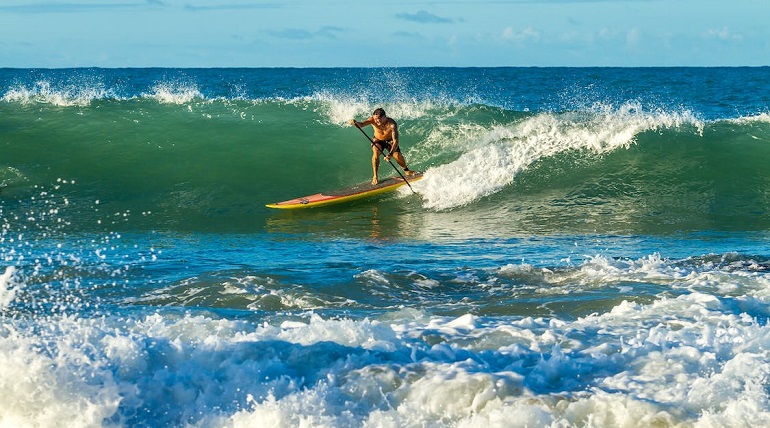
(379, 113)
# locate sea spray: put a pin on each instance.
(7, 287)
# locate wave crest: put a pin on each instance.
(174, 93)
(504, 151)
(43, 92)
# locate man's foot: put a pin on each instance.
(409, 172)
(375, 181)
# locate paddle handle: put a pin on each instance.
(383, 153)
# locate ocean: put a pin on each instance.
(589, 247)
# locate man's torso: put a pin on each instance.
(384, 132)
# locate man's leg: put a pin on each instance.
(401, 161)
(375, 164)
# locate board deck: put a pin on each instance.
(359, 191)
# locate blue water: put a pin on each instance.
(588, 247)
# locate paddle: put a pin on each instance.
(383, 154)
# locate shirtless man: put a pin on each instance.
(385, 138)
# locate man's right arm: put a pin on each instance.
(366, 122)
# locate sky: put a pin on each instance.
(326, 33)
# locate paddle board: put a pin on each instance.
(359, 191)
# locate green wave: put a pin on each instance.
(213, 164)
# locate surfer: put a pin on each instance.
(385, 138)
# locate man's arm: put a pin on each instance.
(368, 121)
(394, 129)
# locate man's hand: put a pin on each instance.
(352, 121)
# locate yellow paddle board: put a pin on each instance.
(359, 191)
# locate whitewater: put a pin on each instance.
(588, 248)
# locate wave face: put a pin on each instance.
(527, 149)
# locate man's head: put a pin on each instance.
(379, 115)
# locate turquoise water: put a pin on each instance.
(588, 248)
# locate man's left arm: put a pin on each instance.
(394, 147)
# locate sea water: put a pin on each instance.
(588, 247)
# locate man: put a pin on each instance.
(385, 138)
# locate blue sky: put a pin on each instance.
(324, 33)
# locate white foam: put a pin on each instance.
(761, 118)
(504, 151)
(197, 364)
(57, 389)
(44, 92)
(174, 93)
(8, 287)
(692, 359)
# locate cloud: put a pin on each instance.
(302, 34)
(330, 31)
(409, 35)
(723, 34)
(528, 33)
(424, 17)
(234, 6)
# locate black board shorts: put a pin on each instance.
(383, 144)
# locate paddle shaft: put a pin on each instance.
(383, 153)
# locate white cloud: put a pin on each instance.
(605, 33)
(723, 34)
(328, 32)
(424, 17)
(529, 33)
(633, 37)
